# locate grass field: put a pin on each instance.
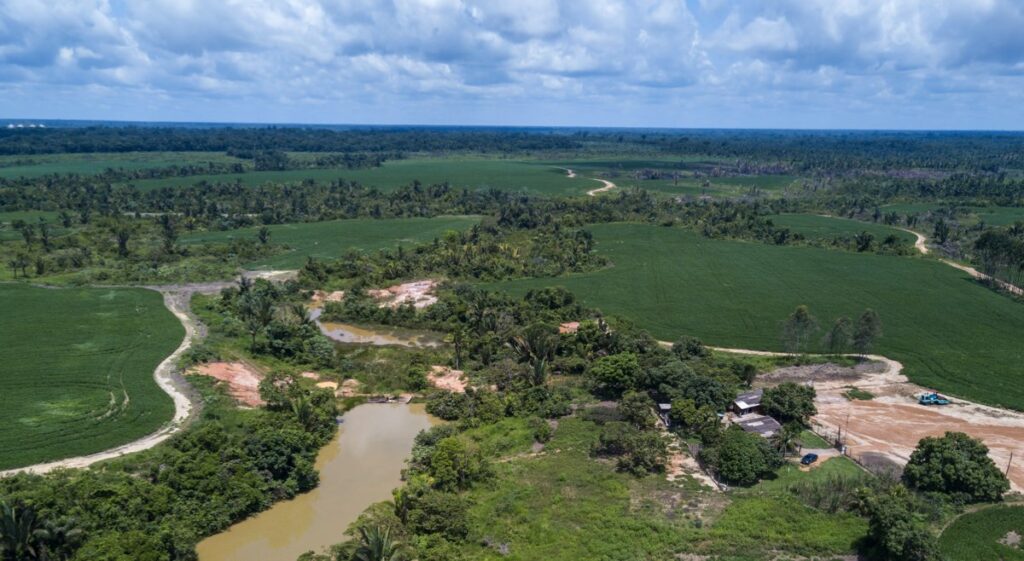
(471, 173)
(77, 373)
(826, 227)
(89, 164)
(976, 536)
(566, 505)
(7, 231)
(950, 332)
(332, 239)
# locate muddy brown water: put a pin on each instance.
(364, 335)
(359, 467)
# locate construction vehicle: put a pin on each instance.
(933, 399)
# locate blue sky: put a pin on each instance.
(919, 64)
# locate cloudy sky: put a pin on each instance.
(933, 64)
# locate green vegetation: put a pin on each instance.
(333, 239)
(77, 372)
(956, 465)
(469, 173)
(734, 294)
(94, 163)
(983, 535)
(857, 393)
(817, 227)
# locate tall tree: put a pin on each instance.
(839, 337)
(536, 345)
(798, 329)
(869, 329)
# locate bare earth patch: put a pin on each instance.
(349, 388)
(310, 375)
(420, 294)
(886, 429)
(320, 296)
(1011, 539)
(446, 378)
(327, 385)
(243, 381)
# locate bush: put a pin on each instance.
(639, 452)
(449, 406)
(542, 431)
(741, 457)
(612, 375)
(436, 512)
(956, 465)
(790, 402)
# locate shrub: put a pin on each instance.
(956, 465)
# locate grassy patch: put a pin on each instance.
(976, 536)
(332, 239)
(753, 527)
(857, 393)
(950, 332)
(790, 473)
(826, 227)
(77, 372)
(810, 440)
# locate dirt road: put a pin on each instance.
(608, 186)
(921, 245)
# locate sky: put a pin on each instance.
(875, 64)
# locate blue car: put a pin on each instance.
(809, 459)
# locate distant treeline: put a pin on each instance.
(824, 152)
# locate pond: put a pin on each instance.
(382, 335)
(359, 467)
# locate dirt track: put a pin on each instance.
(608, 186)
(921, 245)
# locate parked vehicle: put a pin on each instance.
(809, 459)
(933, 399)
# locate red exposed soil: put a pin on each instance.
(243, 381)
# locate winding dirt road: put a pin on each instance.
(921, 245)
(608, 186)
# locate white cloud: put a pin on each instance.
(540, 53)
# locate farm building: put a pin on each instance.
(748, 402)
(759, 424)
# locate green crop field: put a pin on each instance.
(949, 331)
(509, 175)
(825, 227)
(88, 164)
(77, 373)
(991, 215)
(332, 239)
(976, 536)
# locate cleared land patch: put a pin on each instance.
(950, 332)
(332, 239)
(77, 373)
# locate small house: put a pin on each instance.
(748, 402)
(663, 413)
(759, 424)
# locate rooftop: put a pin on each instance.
(760, 424)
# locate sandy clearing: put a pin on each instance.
(320, 296)
(349, 388)
(310, 375)
(569, 173)
(419, 293)
(243, 380)
(447, 378)
(569, 327)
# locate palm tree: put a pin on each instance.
(18, 525)
(536, 346)
(376, 544)
(785, 440)
(59, 539)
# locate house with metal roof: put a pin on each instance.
(759, 424)
(748, 402)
